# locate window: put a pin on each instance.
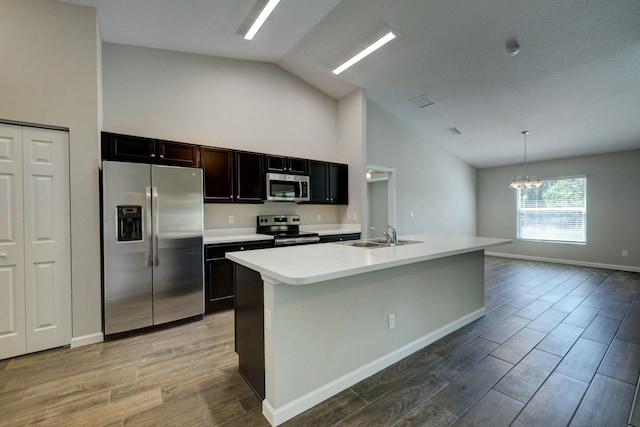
(554, 212)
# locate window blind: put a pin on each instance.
(556, 211)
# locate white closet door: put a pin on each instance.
(12, 297)
(47, 238)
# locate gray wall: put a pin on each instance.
(234, 104)
(613, 208)
(49, 61)
(437, 187)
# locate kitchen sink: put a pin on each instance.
(377, 243)
(363, 244)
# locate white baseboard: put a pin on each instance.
(277, 416)
(87, 339)
(566, 261)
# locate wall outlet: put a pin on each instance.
(625, 252)
(230, 219)
(411, 215)
(392, 321)
(319, 217)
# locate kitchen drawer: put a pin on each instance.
(339, 237)
(218, 251)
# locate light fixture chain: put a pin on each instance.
(525, 155)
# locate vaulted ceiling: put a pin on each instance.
(575, 85)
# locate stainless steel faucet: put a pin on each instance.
(394, 234)
(391, 238)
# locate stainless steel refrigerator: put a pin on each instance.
(152, 245)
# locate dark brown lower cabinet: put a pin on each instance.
(219, 279)
(249, 327)
(219, 276)
(339, 237)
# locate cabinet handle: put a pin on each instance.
(242, 248)
(162, 156)
(153, 155)
(3, 255)
(231, 196)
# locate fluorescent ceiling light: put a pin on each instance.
(375, 46)
(262, 16)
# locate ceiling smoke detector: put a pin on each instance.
(513, 48)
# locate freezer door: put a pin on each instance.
(128, 298)
(178, 272)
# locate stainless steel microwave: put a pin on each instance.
(287, 188)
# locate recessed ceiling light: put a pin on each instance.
(367, 51)
(455, 131)
(262, 16)
(421, 101)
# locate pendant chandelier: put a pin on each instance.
(524, 181)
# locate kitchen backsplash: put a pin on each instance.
(232, 215)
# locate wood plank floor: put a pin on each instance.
(560, 346)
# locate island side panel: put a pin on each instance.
(329, 331)
(249, 327)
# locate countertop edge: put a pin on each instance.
(300, 281)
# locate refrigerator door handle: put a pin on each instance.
(156, 225)
(148, 230)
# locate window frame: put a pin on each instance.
(566, 242)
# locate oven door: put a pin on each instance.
(287, 188)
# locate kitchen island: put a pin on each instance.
(313, 320)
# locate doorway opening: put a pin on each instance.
(381, 199)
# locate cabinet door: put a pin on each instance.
(217, 165)
(288, 165)
(275, 164)
(128, 148)
(219, 287)
(298, 166)
(178, 154)
(318, 181)
(249, 177)
(338, 184)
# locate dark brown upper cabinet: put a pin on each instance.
(217, 165)
(129, 148)
(318, 182)
(338, 184)
(288, 165)
(249, 177)
(329, 183)
(178, 154)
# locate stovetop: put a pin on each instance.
(282, 227)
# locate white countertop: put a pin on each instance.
(232, 235)
(302, 265)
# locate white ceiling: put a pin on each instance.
(575, 84)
